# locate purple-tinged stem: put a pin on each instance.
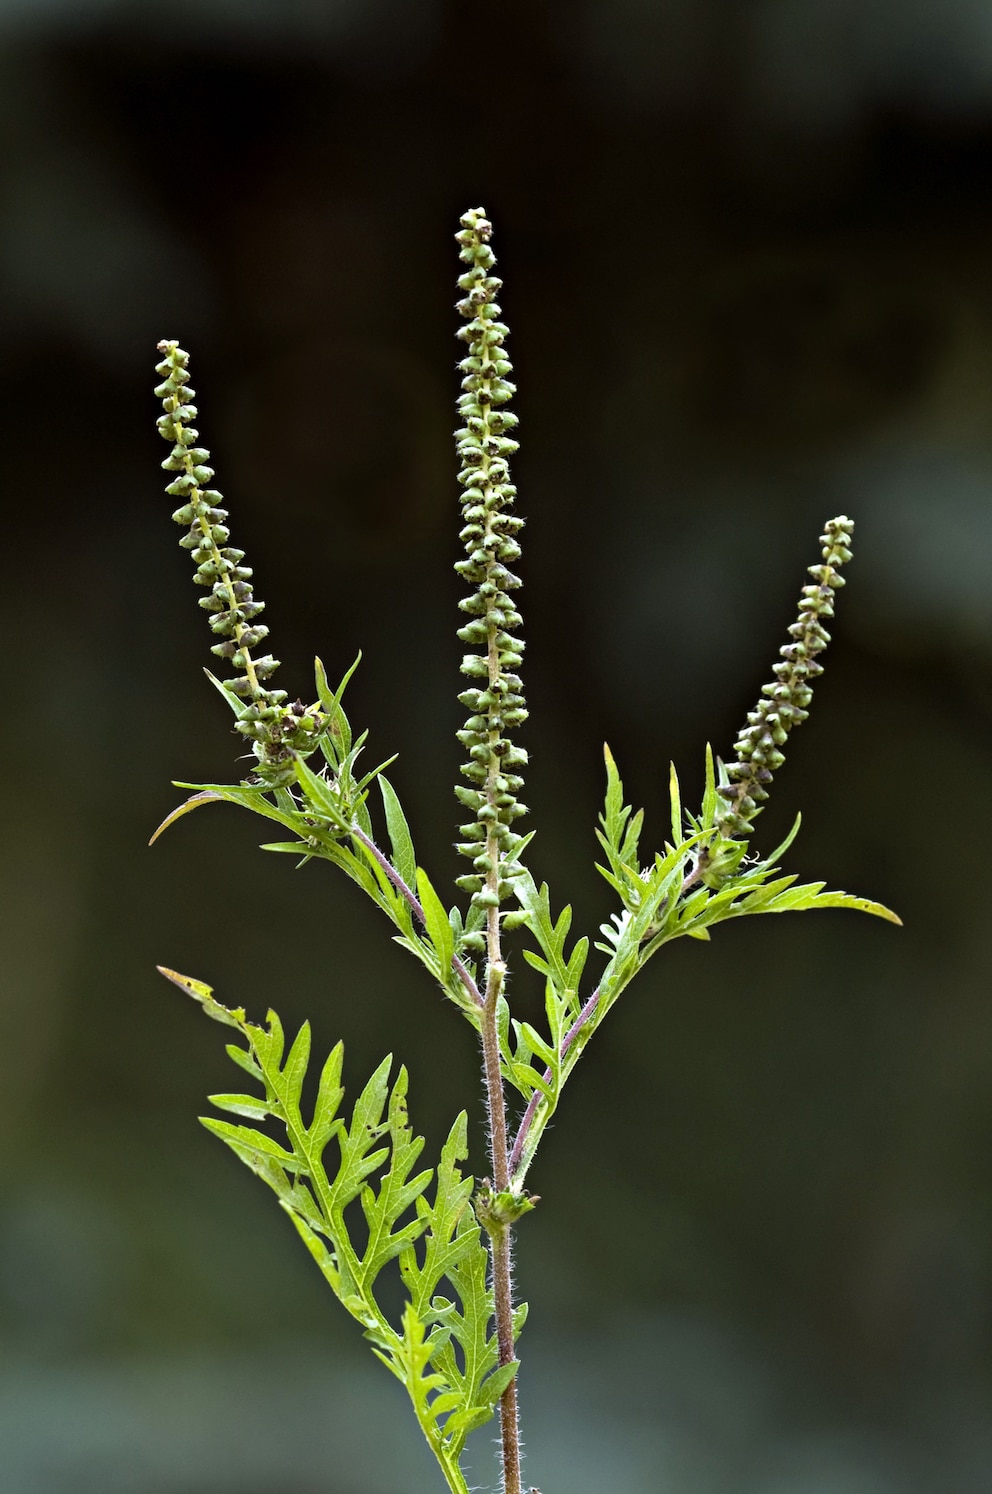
(412, 899)
(566, 1043)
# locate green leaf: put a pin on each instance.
(252, 1106)
(615, 813)
(452, 1231)
(397, 1191)
(780, 850)
(355, 1140)
(619, 838)
(359, 871)
(495, 1384)
(251, 1144)
(404, 858)
(296, 1168)
(743, 899)
(676, 802)
(525, 1079)
(711, 800)
(238, 706)
(436, 922)
(339, 730)
(538, 1044)
(550, 936)
(206, 796)
(799, 898)
(296, 1065)
(374, 773)
(410, 1361)
(577, 964)
(329, 1096)
(204, 994)
(315, 1244)
(561, 1010)
(321, 795)
(453, 1250)
(244, 1060)
(254, 799)
(290, 848)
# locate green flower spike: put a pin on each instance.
(497, 703)
(276, 730)
(759, 747)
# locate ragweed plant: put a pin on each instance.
(349, 1180)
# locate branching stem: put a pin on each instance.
(535, 1099)
(527, 1120)
(379, 856)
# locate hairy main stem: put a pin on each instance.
(501, 1233)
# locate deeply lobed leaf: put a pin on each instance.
(444, 1351)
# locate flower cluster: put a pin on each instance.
(496, 704)
(759, 747)
(275, 729)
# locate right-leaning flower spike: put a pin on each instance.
(759, 747)
(496, 704)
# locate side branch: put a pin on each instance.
(528, 1116)
(410, 897)
(516, 1152)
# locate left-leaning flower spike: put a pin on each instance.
(276, 730)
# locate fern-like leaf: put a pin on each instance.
(445, 1351)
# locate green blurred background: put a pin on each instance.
(747, 255)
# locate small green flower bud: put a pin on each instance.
(515, 920)
(473, 664)
(182, 485)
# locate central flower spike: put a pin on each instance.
(496, 703)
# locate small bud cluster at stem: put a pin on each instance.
(759, 747)
(275, 729)
(496, 702)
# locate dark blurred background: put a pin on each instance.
(746, 252)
